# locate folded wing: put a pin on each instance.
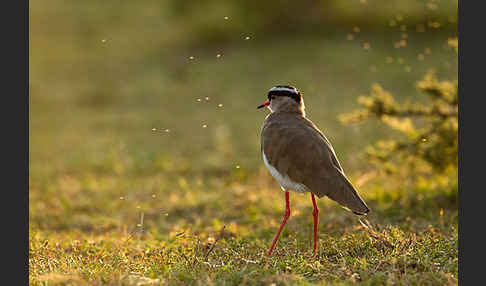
(307, 157)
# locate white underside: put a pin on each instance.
(285, 182)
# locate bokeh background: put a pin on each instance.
(143, 113)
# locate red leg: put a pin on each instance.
(286, 217)
(315, 213)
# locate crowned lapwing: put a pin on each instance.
(300, 157)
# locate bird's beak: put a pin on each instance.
(266, 103)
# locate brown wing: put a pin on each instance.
(294, 146)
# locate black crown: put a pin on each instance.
(285, 90)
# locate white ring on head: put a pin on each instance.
(293, 90)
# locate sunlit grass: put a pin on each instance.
(418, 231)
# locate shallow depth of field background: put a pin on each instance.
(145, 139)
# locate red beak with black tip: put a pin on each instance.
(266, 103)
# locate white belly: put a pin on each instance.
(285, 182)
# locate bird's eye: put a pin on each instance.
(272, 97)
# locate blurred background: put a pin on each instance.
(150, 106)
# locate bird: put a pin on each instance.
(300, 157)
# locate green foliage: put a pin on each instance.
(429, 129)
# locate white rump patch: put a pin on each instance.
(285, 182)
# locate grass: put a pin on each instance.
(113, 201)
(416, 243)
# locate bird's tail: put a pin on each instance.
(349, 198)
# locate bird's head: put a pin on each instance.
(284, 98)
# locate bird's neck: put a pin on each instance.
(288, 107)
